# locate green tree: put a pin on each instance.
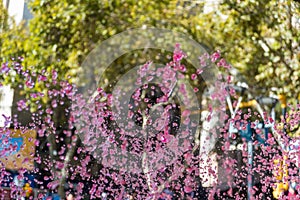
(261, 40)
(3, 18)
(63, 32)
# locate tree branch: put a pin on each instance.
(282, 59)
(64, 171)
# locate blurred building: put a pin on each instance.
(6, 100)
(18, 9)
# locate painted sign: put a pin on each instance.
(17, 149)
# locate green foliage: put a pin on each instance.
(63, 32)
(261, 39)
(69, 30)
(3, 18)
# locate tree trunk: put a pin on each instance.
(64, 171)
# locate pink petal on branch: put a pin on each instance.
(215, 56)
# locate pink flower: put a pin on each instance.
(178, 54)
(42, 78)
(199, 71)
(54, 74)
(182, 68)
(215, 56)
(5, 69)
(21, 105)
(193, 76)
(186, 113)
(29, 83)
(222, 63)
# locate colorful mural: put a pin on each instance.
(17, 149)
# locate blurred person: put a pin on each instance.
(28, 191)
(129, 197)
(166, 195)
(70, 196)
(292, 193)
